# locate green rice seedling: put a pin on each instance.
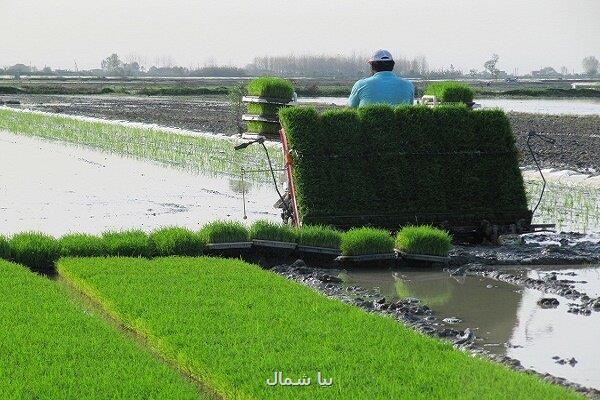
(319, 236)
(450, 92)
(424, 239)
(4, 248)
(81, 245)
(53, 348)
(269, 128)
(267, 230)
(225, 232)
(36, 250)
(132, 243)
(214, 155)
(361, 241)
(264, 110)
(175, 241)
(272, 87)
(233, 325)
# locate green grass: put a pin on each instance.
(232, 325)
(81, 245)
(265, 110)
(318, 236)
(225, 232)
(132, 243)
(176, 241)
(270, 86)
(269, 128)
(361, 241)
(267, 230)
(214, 155)
(4, 248)
(53, 349)
(450, 92)
(424, 239)
(36, 250)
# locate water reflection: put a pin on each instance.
(55, 188)
(505, 318)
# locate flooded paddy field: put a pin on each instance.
(577, 136)
(506, 319)
(49, 187)
(57, 188)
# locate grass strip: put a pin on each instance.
(267, 230)
(361, 241)
(225, 232)
(233, 325)
(199, 153)
(424, 239)
(52, 349)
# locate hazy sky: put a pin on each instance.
(526, 34)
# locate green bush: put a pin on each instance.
(391, 167)
(319, 236)
(424, 239)
(4, 248)
(35, 250)
(225, 232)
(81, 245)
(266, 230)
(450, 92)
(175, 241)
(361, 241)
(273, 87)
(269, 128)
(132, 243)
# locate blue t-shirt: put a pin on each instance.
(382, 88)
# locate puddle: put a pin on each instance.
(49, 187)
(506, 318)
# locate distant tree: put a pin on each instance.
(131, 69)
(564, 70)
(590, 65)
(473, 73)
(490, 65)
(112, 64)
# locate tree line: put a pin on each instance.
(310, 66)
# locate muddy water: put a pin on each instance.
(55, 188)
(505, 318)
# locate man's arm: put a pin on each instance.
(354, 99)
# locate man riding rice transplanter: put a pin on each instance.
(383, 86)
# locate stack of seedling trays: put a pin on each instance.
(226, 239)
(265, 97)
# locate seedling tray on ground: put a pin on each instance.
(326, 251)
(229, 246)
(422, 259)
(368, 257)
(274, 244)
